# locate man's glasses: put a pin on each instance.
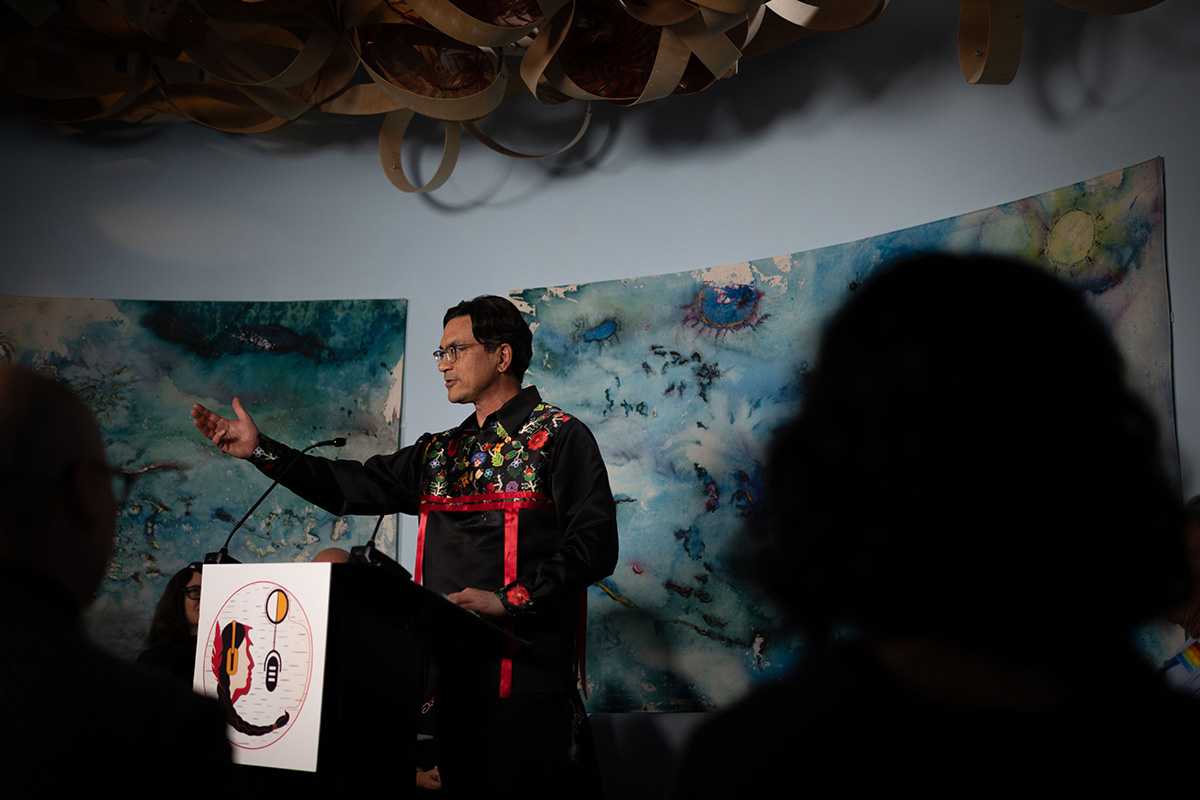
(192, 592)
(451, 352)
(121, 481)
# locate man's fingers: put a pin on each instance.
(479, 601)
(239, 410)
(203, 417)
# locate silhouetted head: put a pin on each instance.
(969, 463)
(57, 510)
(496, 321)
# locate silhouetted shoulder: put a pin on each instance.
(69, 706)
(843, 718)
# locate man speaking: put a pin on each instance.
(516, 520)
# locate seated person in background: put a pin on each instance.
(70, 711)
(968, 518)
(1182, 670)
(172, 639)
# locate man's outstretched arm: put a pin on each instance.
(385, 484)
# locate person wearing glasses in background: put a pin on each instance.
(171, 643)
(516, 520)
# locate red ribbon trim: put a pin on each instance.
(500, 501)
(511, 517)
(418, 568)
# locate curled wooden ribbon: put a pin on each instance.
(658, 12)
(456, 21)
(256, 65)
(391, 147)
(828, 15)
(422, 90)
(989, 40)
(38, 83)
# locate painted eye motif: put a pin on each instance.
(604, 332)
(721, 309)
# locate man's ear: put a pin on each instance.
(506, 354)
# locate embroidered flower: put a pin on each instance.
(452, 448)
(478, 459)
(511, 486)
(517, 595)
(538, 439)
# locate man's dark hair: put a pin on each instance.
(496, 321)
(970, 464)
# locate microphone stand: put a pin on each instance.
(222, 556)
(369, 555)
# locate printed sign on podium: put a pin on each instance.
(261, 654)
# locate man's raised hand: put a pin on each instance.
(235, 437)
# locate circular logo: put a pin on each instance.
(260, 664)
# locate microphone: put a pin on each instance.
(370, 555)
(222, 556)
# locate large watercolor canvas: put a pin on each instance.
(684, 377)
(307, 371)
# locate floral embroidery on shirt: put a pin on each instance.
(465, 462)
(516, 599)
(266, 453)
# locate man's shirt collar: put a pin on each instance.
(511, 415)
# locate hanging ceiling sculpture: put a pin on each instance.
(251, 66)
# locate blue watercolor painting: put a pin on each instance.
(684, 377)
(307, 371)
